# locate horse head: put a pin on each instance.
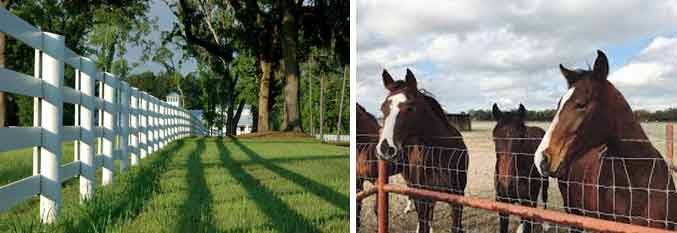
(585, 117)
(509, 135)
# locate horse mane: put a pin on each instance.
(437, 108)
(430, 99)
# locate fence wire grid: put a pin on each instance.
(513, 180)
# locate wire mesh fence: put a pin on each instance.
(632, 188)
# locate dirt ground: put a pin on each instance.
(480, 184)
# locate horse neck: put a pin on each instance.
(628, 138)
(367, 131)
(436, 131)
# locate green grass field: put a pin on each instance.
(210, 185)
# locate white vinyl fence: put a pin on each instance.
(131, 123)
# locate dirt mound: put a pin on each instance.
(275, 134)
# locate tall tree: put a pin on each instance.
(75, 21)
(3, 41)
(116, 28)
(165, 57)
(207, 30)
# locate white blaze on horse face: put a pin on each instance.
(388, 131)
(538, 156)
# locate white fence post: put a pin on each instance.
(52, 109)
(124, 126)
(37, 112)
(109, 129)
(86, 118)
(163, 133)
(134, 128)
(151, 125)
(143, 125)
(156, 125)
(174, 120)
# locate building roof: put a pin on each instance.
(173, 93)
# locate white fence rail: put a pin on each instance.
(131, 123)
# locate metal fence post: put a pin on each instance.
(134, 127)
(109, 134)
(51, 119)
(124, 126)
(86, 118)
(669, 143)
(382, 197)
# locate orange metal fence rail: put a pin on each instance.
(587, 223)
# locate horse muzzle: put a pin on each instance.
(541, 161)
(385, 151)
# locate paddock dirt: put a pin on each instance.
(480, 184)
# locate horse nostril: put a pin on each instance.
(391, 151)
(385, 149)
(545, 169)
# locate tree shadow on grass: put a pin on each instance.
(320, 190)
(123, 200)
(291, 159)
(281, 216)
(196, 212)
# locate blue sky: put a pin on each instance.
(165, 20)
(472, 54)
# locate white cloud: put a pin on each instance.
(649, 80)
(474, 53)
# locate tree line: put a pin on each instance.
(271, 55)
(669, 114)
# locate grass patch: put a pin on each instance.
(215, 185)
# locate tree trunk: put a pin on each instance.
(322, 106)
(255, 119)
(289, 40)
(236, 116)
(177, 77)
(346, 75)
(3, 101)
(230, 114)
(3, 44)
(264, 92)
(311, 105)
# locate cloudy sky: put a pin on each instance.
(471, 54)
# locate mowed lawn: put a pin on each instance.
(214, 185)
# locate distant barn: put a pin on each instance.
(460, 120)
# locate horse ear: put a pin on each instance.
(411, 80)
(522, 111)
(570, 75)
(496, 112)
(601, 68)
(387, 80)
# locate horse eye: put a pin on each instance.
(580, 107)
(412, 108)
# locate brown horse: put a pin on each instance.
(605, 165)
(367, 169)
(516, 179)
(367, 166)
(431, 151)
